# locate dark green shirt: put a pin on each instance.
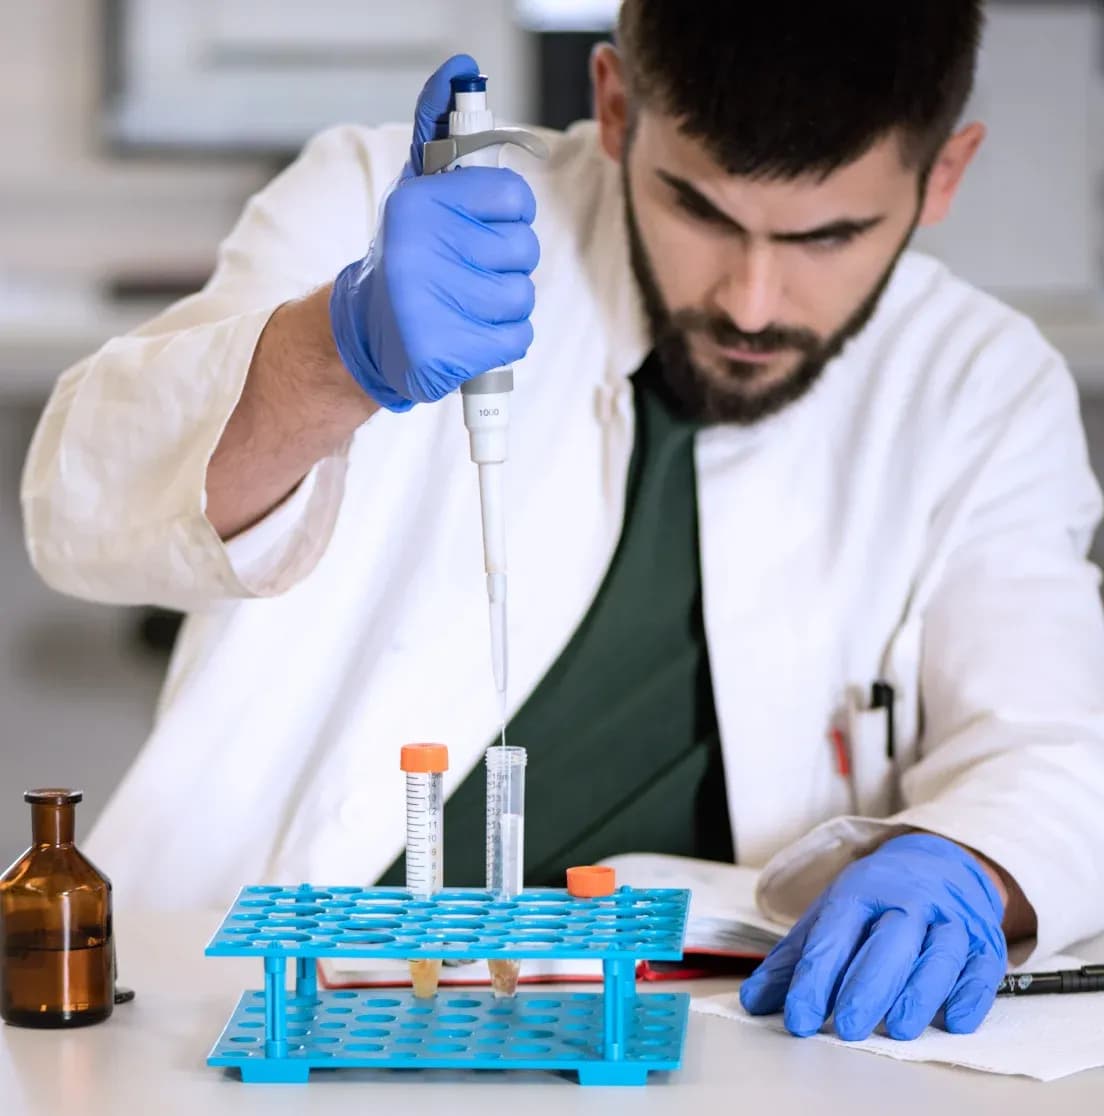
(621, 733)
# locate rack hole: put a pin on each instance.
(447, 937)
(368, 923)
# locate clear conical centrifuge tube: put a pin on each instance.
(425, 765)
(505, 844)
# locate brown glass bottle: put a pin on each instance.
(56, 946)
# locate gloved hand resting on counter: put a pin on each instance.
(444, 293)
(912, 928)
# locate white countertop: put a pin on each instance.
(149, 1060)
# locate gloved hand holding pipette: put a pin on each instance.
(444, 294)
(442, 301)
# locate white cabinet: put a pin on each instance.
(254, 74)
(1028, 219)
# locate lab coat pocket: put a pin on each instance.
(873, 773)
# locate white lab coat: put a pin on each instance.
(922, 515)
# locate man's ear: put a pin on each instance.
(947, 171)
(611, 102)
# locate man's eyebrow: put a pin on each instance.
(845, 227)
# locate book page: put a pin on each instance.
(723, 915)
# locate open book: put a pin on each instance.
(723, 923)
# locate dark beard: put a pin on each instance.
(698, 396)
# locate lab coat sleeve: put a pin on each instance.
(1012, 670)
(114, 484)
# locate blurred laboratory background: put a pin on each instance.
(134, 130)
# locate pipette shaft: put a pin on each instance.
(486, 413)
(486, 402)
(473, 140)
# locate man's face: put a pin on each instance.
(752, 286)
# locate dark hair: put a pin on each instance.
(786, 88)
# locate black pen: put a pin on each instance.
(881, 697)
(1089, 978)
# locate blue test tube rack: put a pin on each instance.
(612, 1037)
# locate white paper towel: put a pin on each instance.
(1045, 1037)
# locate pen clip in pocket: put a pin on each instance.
(873, 771)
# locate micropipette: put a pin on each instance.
(505, 844)
(425, 765)
(473, 140)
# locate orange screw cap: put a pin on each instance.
(424, 758)
(591, 881)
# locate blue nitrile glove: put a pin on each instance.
(444, 294)
(911, 928)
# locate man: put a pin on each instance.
(760, 458)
